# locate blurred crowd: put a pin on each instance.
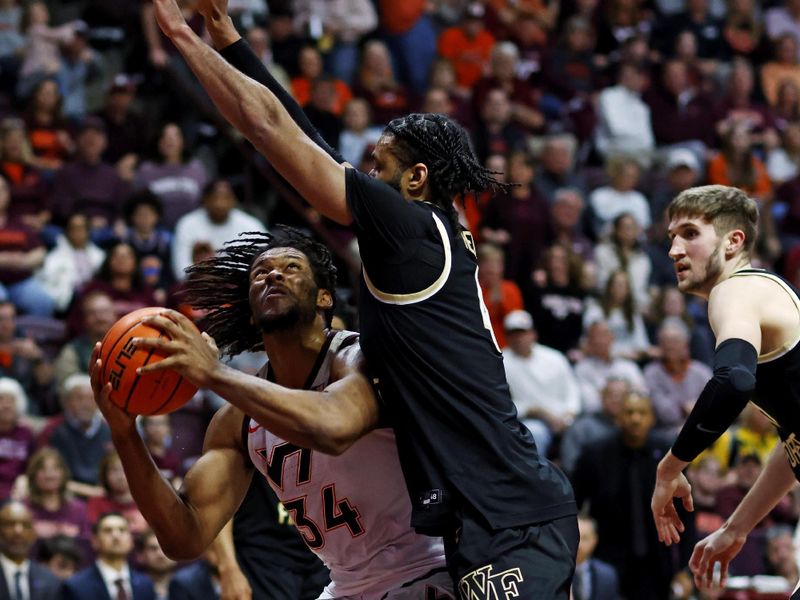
(116, 174)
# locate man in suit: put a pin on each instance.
(199, 580)
(594, 579)
(110, 577)
(21, 578)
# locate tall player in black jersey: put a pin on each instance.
(507, 515)
(755, 316)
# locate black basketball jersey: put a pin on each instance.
(429, 344)
(777, 391)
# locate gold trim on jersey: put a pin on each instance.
(787, 346)
(429, 291)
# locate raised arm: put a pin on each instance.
(734, 314)
(259, 115)
(328, 421)
(184, 522)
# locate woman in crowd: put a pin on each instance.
(116, 495)
(16, 438)
(47, 129)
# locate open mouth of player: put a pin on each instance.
(681, 269)
(275, 292)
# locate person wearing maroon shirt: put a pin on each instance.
(16, 439)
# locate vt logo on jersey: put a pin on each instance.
(482, 584)
(335, 512)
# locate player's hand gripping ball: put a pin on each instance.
(155, 393)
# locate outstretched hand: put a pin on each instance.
(212, 9)
(169, 16)
(668, 523)
(188, 352)
(719, 547)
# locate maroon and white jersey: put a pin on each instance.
(352, 510)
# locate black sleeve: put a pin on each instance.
(240, 55)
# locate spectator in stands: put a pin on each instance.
(504, 73)
(126, 128)
(71, 264)
(174, 178)
(780, 554)
(674, 380)
(680, 113)
(358, 132)
(617, 307)
(88, 182)
(216, 221)
(468, 45)
(620, 196)
(22, 359)
(47, 128)
(116, 495)
(494, 132)
(110, 575)
(81, 66)
(337, 26)
(738, 108)
(120, 277)
(19, 175)
(670, 305)
(148, 236)
(751, 558)
(594, 579)
(198, 580)
(736, 165)
(377, 84)
(780, 20)
(97, 311)
(11, 43)
(706, 28)
(755, 434)
(623, 252)
(783, 160)
(155, 564)
(61, 554)
(501, 296)
(157, 436)
(622, 21)
(590, 427)
(557, 166)
(542, 384)
(613, 477)
(598, 365)
(83, 439)
(555, 296)
(409, 32)
(518, 220)
(566, 212)
(706, 477)
(55, 510)
(743, 29)
(784, 67)
(683, 170)
(21, 577)
(260, 42)
(310, 67)
(624, 123)
(16, 438)
(322, 111)
(443, 76)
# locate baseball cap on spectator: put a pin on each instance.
(681, 157)
(518, 320)
(92, 122)
(474, 10)
(122, 83)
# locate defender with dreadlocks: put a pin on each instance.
(308, 422)
(507, 515)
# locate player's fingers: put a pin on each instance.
(723, 573)
(688, 503)
(166, 363)
(163, 323)
(164, 345)
(94, 375)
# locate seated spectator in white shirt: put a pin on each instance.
(215, 222)
(543, 386)
(620, 196)
(358, 132)
(674, 380)
(624, 125)
(598, 366)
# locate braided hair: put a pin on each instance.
(442, 145)
(221, 285)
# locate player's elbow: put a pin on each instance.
(335, 438)
(181, 547)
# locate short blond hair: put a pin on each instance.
(726, 208)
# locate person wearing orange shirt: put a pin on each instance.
(468, 46)
(501, 296)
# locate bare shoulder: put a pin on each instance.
(741, 291)
(348, 360)
(225, 429)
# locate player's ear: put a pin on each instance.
(417, 179)
(324, 299)
(736, 239)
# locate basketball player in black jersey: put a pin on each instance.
(507, 515)
(755, 316)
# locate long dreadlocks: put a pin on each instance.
(221, 285)
(442, 145)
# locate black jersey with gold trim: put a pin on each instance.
(777, 391)
(427, 338)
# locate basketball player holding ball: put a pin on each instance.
(309, 422)
(755, 316)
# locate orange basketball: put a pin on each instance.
(149, 393)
